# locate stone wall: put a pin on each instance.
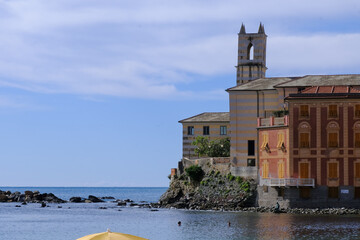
(268, 196)
(221, 164)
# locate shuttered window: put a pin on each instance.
(304, 170)
(280, 140)
(281, 170)
(304, 111)
(357, 110)
(333, 170)
(265, 170)
(304, 140)
(357, 140)
(265, 140)
(333, 139)
(333, 111)
(357, 170)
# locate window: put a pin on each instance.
(357, 139)
(333, 170)
(304, 140)
(206, 130)
(357, 170)
(304, 170)
(357, 110)
(251, 162)
(190, 130)
(333, 113)
(333, 139)
(251, 147)
(281, 169)
(250, 52)
(265, 170)
(333, 192)
(280, 143)
(223, 130)
(265, 141)
(304, 111)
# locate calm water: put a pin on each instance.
(72, 221)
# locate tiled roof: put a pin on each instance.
(323, 80)
(208, 117)
(330, 89)
(261, 84)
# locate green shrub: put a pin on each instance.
(169, 176)
(217, 173)
(221, 182)
(245, 186)
(239, 180)
(195, 173)
(230, 177)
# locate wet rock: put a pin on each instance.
(17, 206)
(43, 204)
(121, 203)
(107, 197)
(94, 199)
(102, 207)
(77, 200)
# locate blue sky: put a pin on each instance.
(91, 91)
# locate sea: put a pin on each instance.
(75, 220)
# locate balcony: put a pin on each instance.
(273, 121)
(287, 182)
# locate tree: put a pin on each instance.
(219, 148)
(202, 145)
(216, 148)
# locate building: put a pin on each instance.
(214, 125)
(313, 158)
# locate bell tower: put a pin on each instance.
(251, 55)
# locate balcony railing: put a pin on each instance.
(273, 121)
(287, 182)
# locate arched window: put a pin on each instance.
(356, 129)
(304, 135)
(333, 134)
(250, 52)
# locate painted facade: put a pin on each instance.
(212, 125)
(322, 139)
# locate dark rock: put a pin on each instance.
(77, 200)
(102, 207)
(43, 204)
(128, 200)
(154, 210)
(59, 206)
(133, 204)
(94, 199)
(23, 203)
(3, 197)
(107, 197)
(122, 203)
(17, 206)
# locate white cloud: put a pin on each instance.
(152, 49)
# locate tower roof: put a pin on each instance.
(242, 29)
(261, 29)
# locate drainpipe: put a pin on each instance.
(257, 139)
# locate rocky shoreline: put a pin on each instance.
(173, 200)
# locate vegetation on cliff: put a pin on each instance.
(196, 189)
(215, 148)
